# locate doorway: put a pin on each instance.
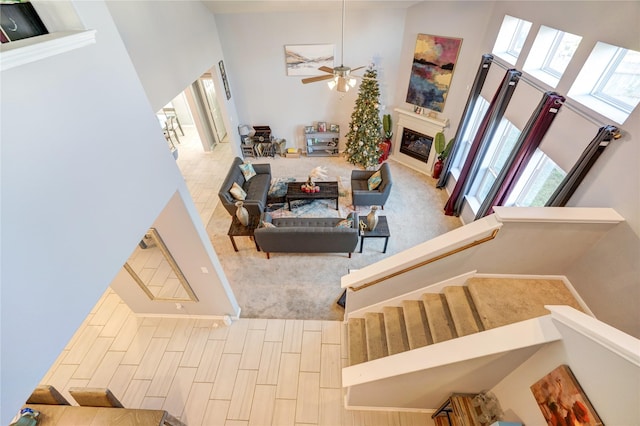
(205, 93)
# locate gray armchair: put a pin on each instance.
(360, 192)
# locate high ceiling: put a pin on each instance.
(266, 6)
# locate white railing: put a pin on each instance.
(613, 340)
(514, 240)
(423, 377)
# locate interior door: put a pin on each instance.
(211, 106)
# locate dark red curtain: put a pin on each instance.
(487, 128)
(525, 147)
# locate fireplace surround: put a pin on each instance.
(413, 143)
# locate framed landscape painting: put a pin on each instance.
(562, 400)
(305, 59)
(434, 61)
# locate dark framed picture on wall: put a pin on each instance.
(225, 82)
(19, 21)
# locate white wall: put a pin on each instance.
(460, 19)
(610, 22)
(253, 47)
(171, 46)
(84, 174)
(608, 277)
(609, 381)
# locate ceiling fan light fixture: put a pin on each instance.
(342, 85)
(352, 82)
(332, 83)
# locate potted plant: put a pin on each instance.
(385, 145)
(443, 151)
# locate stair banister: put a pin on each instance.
(610, 338)
(427, 261)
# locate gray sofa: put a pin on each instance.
(360, 192)
(257, 188)
(306, 235)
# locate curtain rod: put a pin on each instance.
(569, 105)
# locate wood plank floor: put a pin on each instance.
(254, 372)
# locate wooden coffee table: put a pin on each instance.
(239, 230)
(328, 191)
(381, 231)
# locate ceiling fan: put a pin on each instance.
(340, 77)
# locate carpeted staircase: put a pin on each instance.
(482, 304)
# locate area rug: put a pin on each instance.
(307, 285)
(287, 286)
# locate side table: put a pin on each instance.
(239, 230)
(381, 231)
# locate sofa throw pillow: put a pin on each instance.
(374, 181)
(264, 224)
(345, 223)
(247, 170)
(237, 192)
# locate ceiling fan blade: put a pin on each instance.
(356, 69)
(326, 69)
(317, 78)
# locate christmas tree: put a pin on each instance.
(363, 137)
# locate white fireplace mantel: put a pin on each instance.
(418, 123)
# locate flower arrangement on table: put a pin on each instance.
(317, 173)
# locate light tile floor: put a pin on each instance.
(254, 372)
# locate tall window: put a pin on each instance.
(479, 111)
(609, 82)
(538, 182)
(518, 38)
(500, 147)
(513, 33)
(619, 85)
(550, 54)
(561, 52)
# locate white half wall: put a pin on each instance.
(196, 260)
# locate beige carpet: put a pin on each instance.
(306, 286)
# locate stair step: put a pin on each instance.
(438, 317)
(376, 338)
(357, 341)
(395, 329)
(462, 311)
(415, 319)
(502, 301)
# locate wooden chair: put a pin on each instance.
(47, 395)
(171, 112)
(95, 397)
(170, 126)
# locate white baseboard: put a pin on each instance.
(404, 410)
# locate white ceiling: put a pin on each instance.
(266, 6)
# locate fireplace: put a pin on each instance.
(413, 141)
(416, 144)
